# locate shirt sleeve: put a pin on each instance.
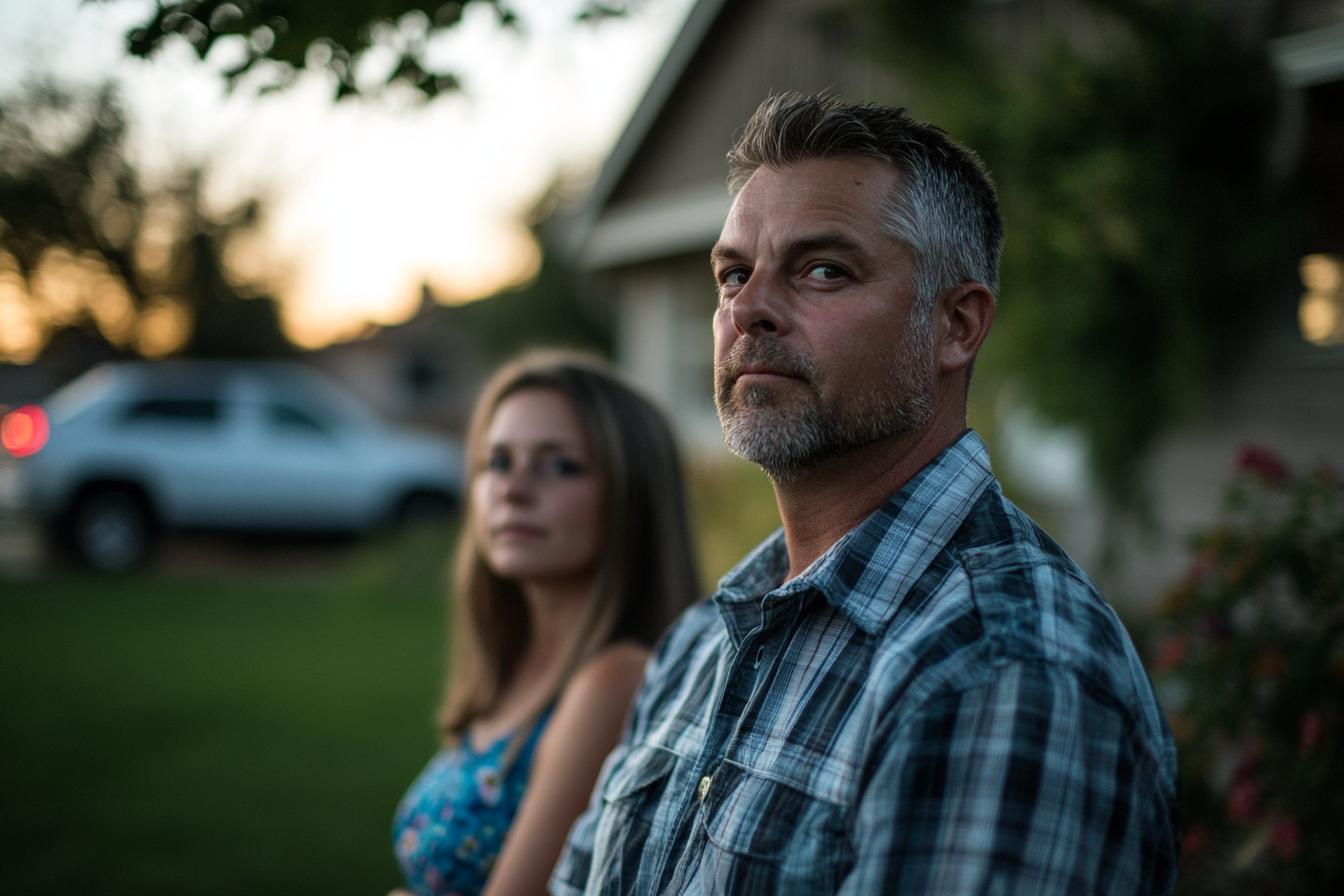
(1035, 782)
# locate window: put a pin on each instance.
(1321, 312)
(174, 410)
(292, 419)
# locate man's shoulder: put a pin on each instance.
(1026, 587)
(1031, 603)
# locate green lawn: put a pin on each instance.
(242, 733)
(226, 734)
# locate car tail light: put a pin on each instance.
(24, 431)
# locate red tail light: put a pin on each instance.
(24, 431)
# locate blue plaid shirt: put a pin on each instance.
(942, 703)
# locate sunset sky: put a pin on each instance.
(368, 199)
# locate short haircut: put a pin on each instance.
(944, 210)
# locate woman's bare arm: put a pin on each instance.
(584, 729)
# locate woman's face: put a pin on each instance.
(537, 494)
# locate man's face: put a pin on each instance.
(818, 346)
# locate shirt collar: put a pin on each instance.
(867, 573)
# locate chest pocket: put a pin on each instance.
(630, 797)
(767, 836)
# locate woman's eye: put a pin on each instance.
(498, 462)
(563, 467)
(825, 272)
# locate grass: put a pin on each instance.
(216, 735)
(243, 733)
(732, 509)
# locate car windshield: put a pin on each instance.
(81, 393)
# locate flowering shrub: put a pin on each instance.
(1249, 664)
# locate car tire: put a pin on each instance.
(110, 529)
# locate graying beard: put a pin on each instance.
(788, 443)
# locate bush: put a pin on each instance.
(1249, 664)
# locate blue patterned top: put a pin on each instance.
(451, 823)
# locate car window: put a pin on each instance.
(174, 410)
(284, 416)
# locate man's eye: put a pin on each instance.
(825, 272)
(736, 278)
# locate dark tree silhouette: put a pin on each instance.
(71, 203)
(290, 35)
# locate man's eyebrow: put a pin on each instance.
(823, 242)
(820, 242)
(720, 252)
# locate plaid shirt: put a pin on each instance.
(942, 703)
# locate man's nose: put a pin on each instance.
(759, 307)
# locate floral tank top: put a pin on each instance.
(451, 823)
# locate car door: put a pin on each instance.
(179, 438)
(303, 472)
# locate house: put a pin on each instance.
(661, 198)
(422, 371)
(660, 201)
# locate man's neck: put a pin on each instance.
(820, 507)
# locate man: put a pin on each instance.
(911, 689)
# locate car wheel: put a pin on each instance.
(110, 529)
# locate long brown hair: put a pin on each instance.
(646, 571)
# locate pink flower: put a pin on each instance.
(1203, 566)
(1216, 626)
(1285, 840)
(1262, 463)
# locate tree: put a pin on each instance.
(1145, 227)
(85, 243)
(287, 36)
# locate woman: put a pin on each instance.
(574, 557)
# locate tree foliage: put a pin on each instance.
(288, 36)
(1144, 230)
(85, 243)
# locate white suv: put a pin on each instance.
(221, 445)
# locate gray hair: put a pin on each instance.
(944, 208)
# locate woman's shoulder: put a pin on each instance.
(588, 716)
(614, 672)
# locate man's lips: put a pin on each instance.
(759, 373)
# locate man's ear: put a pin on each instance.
(963, 315)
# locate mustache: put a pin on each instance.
(770, 353)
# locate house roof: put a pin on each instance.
(662, 190)
(693, 31)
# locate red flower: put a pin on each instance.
(1244, 802)
(1195, 841)
(1311, 732)
(1170, 653)
(1285, 840)
(1264, 464)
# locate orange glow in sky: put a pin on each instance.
(366, 200)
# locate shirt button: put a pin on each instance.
(704, 786)
(760, 655)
